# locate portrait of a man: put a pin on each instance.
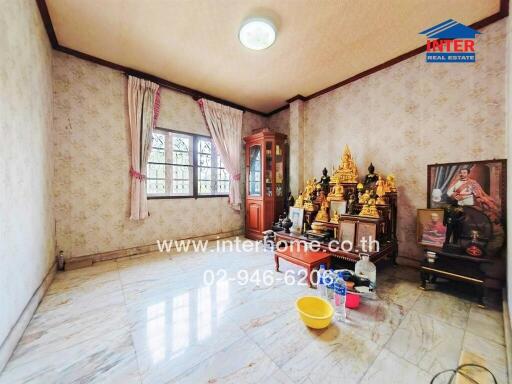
(433, 232)
(478, 185)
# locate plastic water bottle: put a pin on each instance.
(329, 278)
(340, 297)
(322, 289)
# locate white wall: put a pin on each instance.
(26, 212)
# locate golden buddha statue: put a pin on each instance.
(390, 181)
(370, 209)
(299, 203)
(381, 190)
(322, 214)
(310, 188)
(337, 193)
(335, 219)
(309, 206)
(347, 171)
(363, 199)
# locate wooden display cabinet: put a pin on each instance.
(266, 181)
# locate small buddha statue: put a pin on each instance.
(322, 214)
(363, 199)
(347, 171)
(371, 178)
(337, 193)
(335, 219)
(308, 205)
(299, 203)
(320, 198)
(324, 181)
(308, 190)
(381, 190)
(369, 209)
(391, 183)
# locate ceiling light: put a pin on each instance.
(257, 33)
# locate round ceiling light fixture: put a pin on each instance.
(257, 33)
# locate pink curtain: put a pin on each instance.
(225, 125)
(143, 109)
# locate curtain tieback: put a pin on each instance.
(236, 177)
(137, 175)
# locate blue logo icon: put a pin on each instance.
(450, 42)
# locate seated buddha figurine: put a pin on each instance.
(322, 214)
(369, 209)
(363, 199)
(371, 178)
(391, 183)
(347, 171)
(299, 203)
(310, 189)
(335, 219)
(337, 193)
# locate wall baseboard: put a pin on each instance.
(14, 335)
(88, 260)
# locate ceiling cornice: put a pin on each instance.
(45, 15)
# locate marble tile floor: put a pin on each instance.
(153, 319)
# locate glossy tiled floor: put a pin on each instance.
(152, 319)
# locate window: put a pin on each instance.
(212, 177)
(184, 165)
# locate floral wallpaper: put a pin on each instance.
(279, 122)
(92, 160)
(26, 217)
(410, 115)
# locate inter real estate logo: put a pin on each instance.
(450, 42)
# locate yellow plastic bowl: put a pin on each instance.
(314, 311)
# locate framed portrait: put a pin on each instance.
(296, 215)
(431, 230)
(366, 234)
(477, 184)
(338, 206)
(347, 233)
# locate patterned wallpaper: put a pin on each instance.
(279, 122)
(410, 115)
(92, 160)
(26, 219)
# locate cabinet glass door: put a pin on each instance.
(268, 168)
(279, 170)
(255, 170)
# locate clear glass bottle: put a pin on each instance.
(365, 268)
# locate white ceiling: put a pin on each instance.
(194, 43)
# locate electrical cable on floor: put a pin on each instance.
(465, 375)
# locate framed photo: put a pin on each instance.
(338, 206)
(296, 215)
(366, 234)
(478, 184)
(431, 230)
(347, 233)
